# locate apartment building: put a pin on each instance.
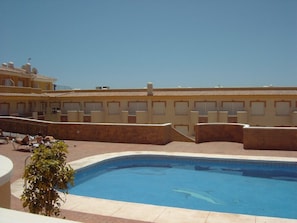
(24, 77)
(183, 107)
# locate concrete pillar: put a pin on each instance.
(212, 116)
(142, 117)
(194, 119)
(124, 116)
(242, 117)
(53, 116)
(97, 116)
(294, 118)
(80, 115)
(48, 113)
(35, 115)
(223, 116)
(58, 116)
(72, 116)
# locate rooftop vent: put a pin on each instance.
(34, 70)
(102, 88)
(4, 65)
(10, 65)
(27, 68)
(149, 89)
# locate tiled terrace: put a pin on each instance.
(81, 149)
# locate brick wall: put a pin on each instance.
(258, 138)
(124, 133)
(270, 138)
(208, 132)
(158, 134)
(277, 138)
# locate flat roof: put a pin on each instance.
(163, 92)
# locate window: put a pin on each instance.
(21, 108)
(137, 106)
(113, 107)
(283, 107)
(71, 106)
(43, 106)
(55, 106)
(20, 83)
(233, 107)
(205, 106)
(181, 107)
(4, 109)
(30, 106)
(93, 106)
(159, 107)
(39, 107)
(258, 107)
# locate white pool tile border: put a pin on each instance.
(97, 158)
(154, 213)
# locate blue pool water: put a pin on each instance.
(245, 187)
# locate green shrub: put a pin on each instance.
(45, 177)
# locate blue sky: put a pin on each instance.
(127, 43)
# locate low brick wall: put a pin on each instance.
(209, 132)
(158, 134)
(276, 138)
(23, 125)
(269, 138)
(124, 133)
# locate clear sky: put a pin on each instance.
(127, 43)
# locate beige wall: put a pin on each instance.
(182, 121)
(25, 79)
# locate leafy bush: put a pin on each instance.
(45, 177)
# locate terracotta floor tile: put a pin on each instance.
(81, 149)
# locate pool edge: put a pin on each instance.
(154, 213)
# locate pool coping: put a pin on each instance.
(154, 213)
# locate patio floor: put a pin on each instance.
(81, 149)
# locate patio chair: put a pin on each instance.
(25, 143)
(3, 139)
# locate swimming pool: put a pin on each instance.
(223, 185)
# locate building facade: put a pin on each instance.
(183, 107)
(24, 77)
